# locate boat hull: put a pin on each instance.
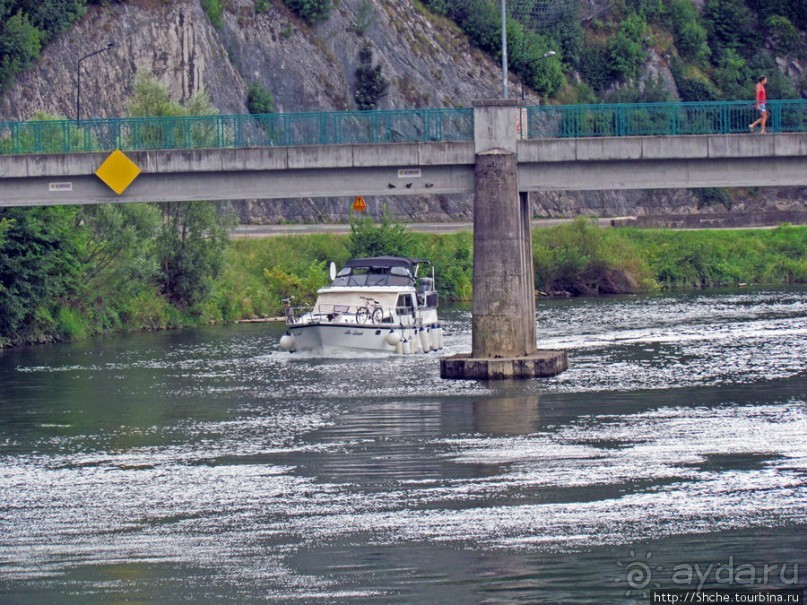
(329, 338)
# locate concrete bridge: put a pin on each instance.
(497, 166)
(544, 164)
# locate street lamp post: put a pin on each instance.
(549, 53)
(504, 49)
(78, 77)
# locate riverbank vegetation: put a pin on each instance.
(74, 272)
(579, 258)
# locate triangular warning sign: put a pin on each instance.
(359, 205)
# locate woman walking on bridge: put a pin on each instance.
(760, 98)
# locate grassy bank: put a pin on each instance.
(581, 259)
(260, 273)
(578, 259)
(572, 259)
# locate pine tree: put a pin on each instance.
(371, 85)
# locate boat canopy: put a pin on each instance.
(378, 271)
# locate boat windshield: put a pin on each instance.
(374, 276)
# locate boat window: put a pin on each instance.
(358, 276)
(405, 304)
(373, 276)
(376, 277)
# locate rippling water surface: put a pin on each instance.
(206, 465)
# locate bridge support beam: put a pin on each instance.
(503, 324)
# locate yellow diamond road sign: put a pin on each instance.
(118, 171)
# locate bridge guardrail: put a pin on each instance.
(234, 131)
(661, 119)
(388, 126)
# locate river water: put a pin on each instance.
(206, 465)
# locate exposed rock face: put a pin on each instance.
(428, 63)
(427, 60)
(175, 42)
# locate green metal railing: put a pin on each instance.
(665, 119)
(407, 126)
(234, 131)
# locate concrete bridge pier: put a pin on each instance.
(503, 324)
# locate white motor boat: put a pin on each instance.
(372, 304)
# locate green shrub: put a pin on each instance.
(259, 99)
(20, 43)
(71, 325)
(385, 238)
(439, 7)
(543, 74)
(690, 33)
(311, 11)
(214, 11)
(784, 35)
(732, 76)
(698, 259)
(453, 258)
(580, 258)
(713, 196)
(595, 67)
(627, 50)
(303, 288)
(647, 9)
(365, 17)
(692, 88)
(730, 24)
(371, 85)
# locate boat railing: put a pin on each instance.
(296, 314)
(351, 314)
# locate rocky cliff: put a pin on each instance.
(427, 60)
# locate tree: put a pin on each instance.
(481, 22)
(190, 250)
(259, 100)
(785, 36)
(52, 16)
(20, 43)
(690, 34)
(627, 49)
(541, 73)
(371, 85)
(387, 238)
(39, 265)
(730, 24)
(5, 225)
(193, 235)
(117, 249)
(732, 75)
(596, 68)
